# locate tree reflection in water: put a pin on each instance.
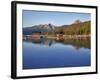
(77, 43)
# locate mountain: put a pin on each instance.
(38, 28)
(76, 28)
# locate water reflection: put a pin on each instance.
(77, 43)
(53, 53)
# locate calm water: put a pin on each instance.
(46, 53)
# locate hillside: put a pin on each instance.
(82, 28)
(79, 28)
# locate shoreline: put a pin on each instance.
(56, 36)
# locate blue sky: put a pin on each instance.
(31, 18)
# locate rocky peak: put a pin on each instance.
(44, 26)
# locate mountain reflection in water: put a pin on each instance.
(77, 43)
(53, 53)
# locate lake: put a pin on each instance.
(46, 53)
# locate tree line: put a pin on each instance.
(82, 28)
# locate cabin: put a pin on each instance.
(60, 35)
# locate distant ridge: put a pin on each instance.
(38, 28)
(77, 27)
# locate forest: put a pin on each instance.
(82, 28)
